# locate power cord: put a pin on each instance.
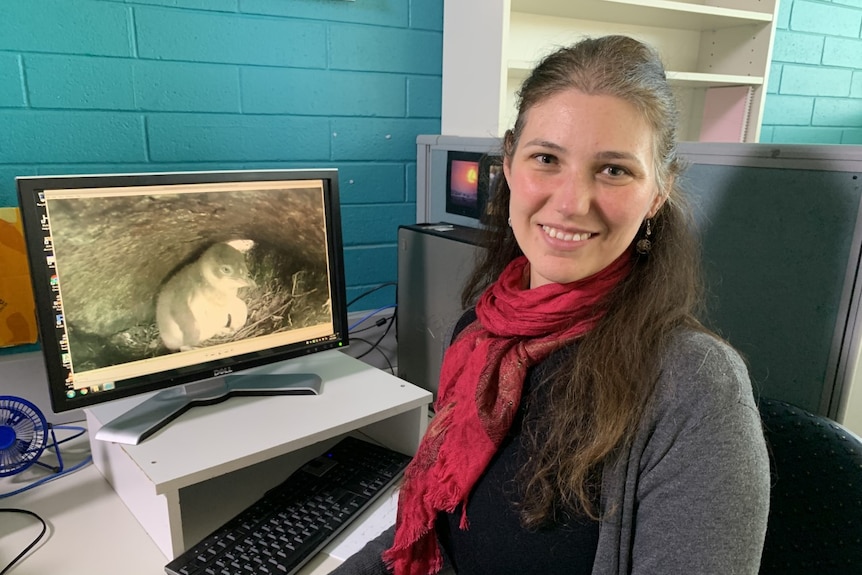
(368, 316)
(381, 338)
(374, 346)
(32, 543)
(369, 292)
(59, 471)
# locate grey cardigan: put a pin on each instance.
(691, 494)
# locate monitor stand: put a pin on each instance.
(146, 418)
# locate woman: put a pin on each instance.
(586, 422)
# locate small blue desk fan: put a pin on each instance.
(24, 436)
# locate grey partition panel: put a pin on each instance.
(780, 245)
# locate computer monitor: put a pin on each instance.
(182, 282)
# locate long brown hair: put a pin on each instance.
(598, 397)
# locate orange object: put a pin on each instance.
(17, 310)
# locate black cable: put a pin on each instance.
(369, 292)
(383, 335)
(32, 543)
(378, 323)
(374, 346)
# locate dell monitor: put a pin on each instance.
(181, 283)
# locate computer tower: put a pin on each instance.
(434, 261)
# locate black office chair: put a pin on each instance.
(815, 517)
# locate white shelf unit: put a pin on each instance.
(214, 461)
(489, 47)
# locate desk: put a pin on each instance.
(90, 531)
(97, 528)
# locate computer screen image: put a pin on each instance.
(470, 181)
(147, 281)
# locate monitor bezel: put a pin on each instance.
(29, 187)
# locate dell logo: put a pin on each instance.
(222, 371)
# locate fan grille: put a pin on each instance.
(22, 434)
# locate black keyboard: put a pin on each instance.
(286, 527)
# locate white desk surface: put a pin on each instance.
(353, 395)
(90, 531)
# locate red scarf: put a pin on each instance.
(480, 389)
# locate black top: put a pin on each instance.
(495, 542)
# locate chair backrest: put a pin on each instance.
(815, 516)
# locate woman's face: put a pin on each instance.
(582, 181)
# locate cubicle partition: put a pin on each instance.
(781, 233)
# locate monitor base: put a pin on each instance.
(148, 417)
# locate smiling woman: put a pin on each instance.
(586, 422)
(581, 183)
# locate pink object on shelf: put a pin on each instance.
(725, 114)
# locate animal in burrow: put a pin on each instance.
(201, 300)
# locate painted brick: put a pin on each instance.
(192, 138)
(378, 139)
(371, 265)
(797, 48)
(371, 183)
(65, 26)
(837, 112)
(829, 19)
(842, 52)
(11, 88)
(8, 189)
(215, 5)
(854, 3)
(856, 84)
(222, 38)
(788, 110)
(124, 84)
(426, 14)
(774, 82)
(782, 19)
(766, 134)
(385, 49)
(811, 81)
(363, 226)
(322, 92)
(186, 87)
(851, 137)
(410, 170)
(424, 97)
(76, 82)
(806, 135)
(54, 137)
(379, 12)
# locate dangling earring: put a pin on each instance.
(644, 244)
(510, 222)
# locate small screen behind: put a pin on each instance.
(470, 181)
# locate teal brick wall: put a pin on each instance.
(814, 94)
(94, 86)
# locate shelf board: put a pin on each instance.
(698, 80)
(660, 13)
(519, 70)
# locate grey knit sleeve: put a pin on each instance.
(368, 561)
(702, 485)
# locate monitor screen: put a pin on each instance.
(470, 181)
(147, 281)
